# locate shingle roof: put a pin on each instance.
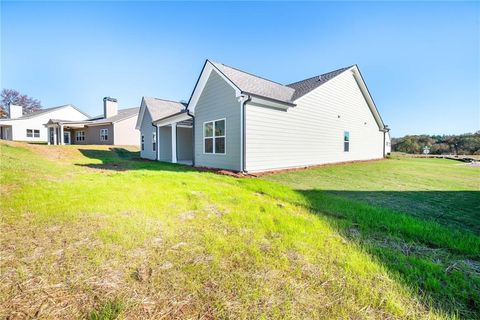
(121, 115)
(160, 108)
(252, 84)
(305, 86)
(249, 83)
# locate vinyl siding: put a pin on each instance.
(218, 101)
(312, 132)
(125, 133)
(184, 143)
(166, 143)
(147, 129)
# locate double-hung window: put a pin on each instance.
(154, 141)
(143, 142)
(29, 133)
(103, 134)
(214, 135)
(36, 133)
(80, 136)
(346, 141)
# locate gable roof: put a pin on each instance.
(159, 109)
(303, 87)
(251, 84)
(44, 111)
(121, 115)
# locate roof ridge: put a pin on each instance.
(168, 100)
(319, 75)
(249, 73)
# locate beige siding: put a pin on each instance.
(218, 101)
(312, 132)
(125, 133)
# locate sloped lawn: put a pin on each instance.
(95, 232)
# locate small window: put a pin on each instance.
(154, 141)
(36, 133)
(346, 141)
(80, 136)
(214, 135)
(143, 142)
(103, 134)
(29, 133)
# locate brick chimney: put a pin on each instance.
(110, 107)
(15, 111)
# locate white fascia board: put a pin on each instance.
(258, 101)
(202, 81)
(173, 119)
(368, 98)
(141, 112)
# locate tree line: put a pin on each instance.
(462, 144)
(10, 96)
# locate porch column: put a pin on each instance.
(158, 142)
(48, 136)
(62, 141)
(55, 140)
(174, 142)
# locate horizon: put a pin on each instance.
(423, 74)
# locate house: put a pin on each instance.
(114, 127)
(244, 122)
(31, 126)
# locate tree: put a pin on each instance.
(10, 96)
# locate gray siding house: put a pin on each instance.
(114, 127)
(243, 122)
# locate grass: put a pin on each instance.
(92, 232)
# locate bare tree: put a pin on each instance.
(10, 96)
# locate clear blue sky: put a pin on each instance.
(421, 61)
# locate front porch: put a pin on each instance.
(174, 139)
(62, 132)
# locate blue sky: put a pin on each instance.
(421, 61)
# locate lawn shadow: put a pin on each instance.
(442, 266)
(121, 159)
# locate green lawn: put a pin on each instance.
(93, 232)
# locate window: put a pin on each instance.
(143, 142)
(154, 141)
(29, 133)
(103, 134)
(36, 133)
(214, 137)
(346, 141)
(80, 136)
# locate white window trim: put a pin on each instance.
(79, 136)
(36, 131)
(102, 135)
(345, 131)
(213, 137)
(31, 133)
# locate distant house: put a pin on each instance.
(243, 122)
(114, 127)
(31, 126)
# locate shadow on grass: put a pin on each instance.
(435, 250)
(120, 159)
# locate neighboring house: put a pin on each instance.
(243, 122)
(31, 126)
(114, 127)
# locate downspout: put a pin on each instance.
(244, 100)
(193, 136)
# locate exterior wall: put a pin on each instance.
(218, 101)
(125, 133)
(184, 144)
(312, 132)
(166, 143)
(19, 127)
(147, 130)
(92, 135)
(388, 143)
